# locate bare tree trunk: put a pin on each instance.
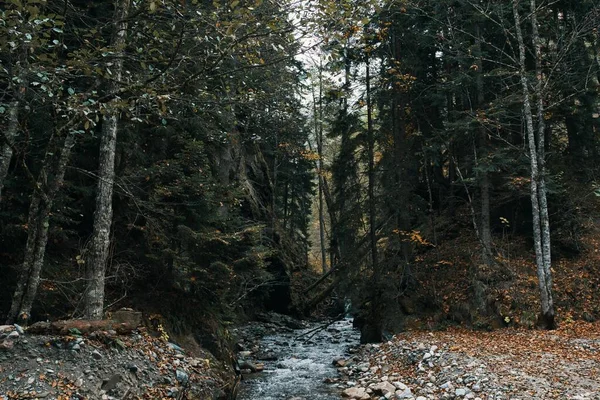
(9, 136)
(97, 257)
(541, 227)
(548, 307)
(320, 153)
(373, 329)
(484, 179)
(37, 236)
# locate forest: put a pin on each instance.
(423, 163)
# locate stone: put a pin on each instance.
(356, 393)
(383, 388)
(19, 329)
(132, 368)
(339, 362)
(13, 335)
(363, 367)
(6, 344)
(243, 364)
(182, 377)
(111, 383)
(460, 392)
(6, 328)
(96, 355)
(404, 394)
(128, 316)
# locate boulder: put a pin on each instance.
(128, 316)
(383, 388)
(356, 393)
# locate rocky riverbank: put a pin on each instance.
(81, 362)
(460, 364)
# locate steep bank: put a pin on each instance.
(104, 364)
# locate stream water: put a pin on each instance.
(303, 362)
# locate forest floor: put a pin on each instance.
(506, 364)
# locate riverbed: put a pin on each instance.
(299, 363)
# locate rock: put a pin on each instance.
(268, 356)
(182, 377)
(363, 367)
(339, 362)
(6, 345)
(13, 335)
(243, 364)
(128, 316)
(383, 388)
(460, 392)
(6, 328)
(404, 394)
(176, 347)
(111, 383)
(96, 355)
(132, 368)
(356, 393)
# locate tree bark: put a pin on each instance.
(9, 136)
(548, 307)
(37, 236)
(373, 329)
(484, 179)
(541, 226)
(97, 256)
(320, 172)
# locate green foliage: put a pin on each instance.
(211, 138)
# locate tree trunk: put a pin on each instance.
(484, 179)
(547, 307)
(320, 172)
(7, 148)
(541, 227)
(97, 257)
(373, 329)
(37, 237)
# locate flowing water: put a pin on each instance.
(303, 362)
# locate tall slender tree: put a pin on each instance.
(99, 246)
(535, 141)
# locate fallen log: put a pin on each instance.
(68, 327)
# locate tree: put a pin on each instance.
(535, 141)
(98, 252)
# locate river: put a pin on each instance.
(304, 361)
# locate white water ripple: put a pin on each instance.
(301, 366)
